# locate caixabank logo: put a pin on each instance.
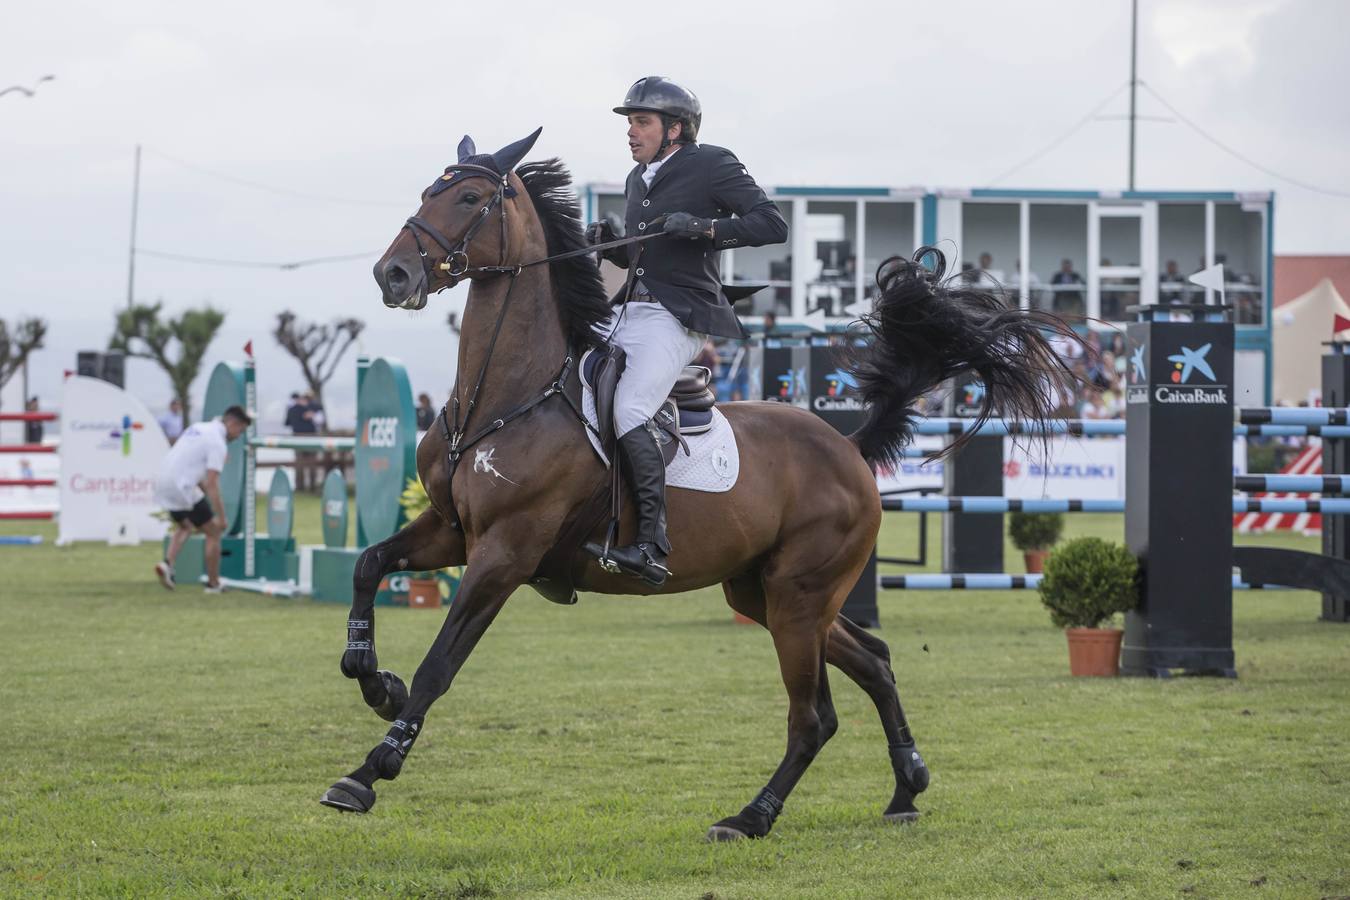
(791, 386)
(1136, 391)
(1187, 376)
(841, 393)
(971, 401)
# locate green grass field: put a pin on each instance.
(164, 744)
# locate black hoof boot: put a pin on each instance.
(349, 795)
(385, 693)
(388, 756)
(359, 660)
(911, 779)
(754, 821)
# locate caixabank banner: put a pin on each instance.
(111, 448)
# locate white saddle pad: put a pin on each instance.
(713, 463)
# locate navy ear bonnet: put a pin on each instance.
(502, 163)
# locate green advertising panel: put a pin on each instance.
(334, 510)
(225, 389)
(386, 447)
(280, 509)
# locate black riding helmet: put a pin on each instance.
(659, 94)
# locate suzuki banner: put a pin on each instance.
(111, 448)
(1065, 468)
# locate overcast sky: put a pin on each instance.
(361, 104)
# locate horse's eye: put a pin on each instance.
(469, 199)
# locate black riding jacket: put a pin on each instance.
(710, 183)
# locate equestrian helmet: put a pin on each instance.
(659, 94)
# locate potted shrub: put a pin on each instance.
(1086, 583)
(424, 590)
(1034, 534)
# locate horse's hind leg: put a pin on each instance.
(424, 544)
(797, 623)
(866, 659)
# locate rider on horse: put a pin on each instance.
(673, 297)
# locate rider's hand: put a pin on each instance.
(684, 225)
(599, 233)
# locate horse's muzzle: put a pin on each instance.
(398, 288)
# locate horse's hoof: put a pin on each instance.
(901, 818)
(719, 833)
(349, 795)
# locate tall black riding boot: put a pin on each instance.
(645, 558)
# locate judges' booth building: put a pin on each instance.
(1089, 255)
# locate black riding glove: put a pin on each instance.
(599, 233)
(683, 225)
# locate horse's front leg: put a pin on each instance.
(425, 543)
(492, 575)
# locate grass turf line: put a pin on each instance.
(172, 744)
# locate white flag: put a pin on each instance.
(1211, 278)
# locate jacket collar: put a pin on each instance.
(676, 161)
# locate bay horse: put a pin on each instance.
(787, 542)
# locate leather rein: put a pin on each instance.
(456, 266)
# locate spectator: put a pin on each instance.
(301, 418)
(172, 421)
(1033, 286)
(32, 431)
(426, 416)
(295, 414)
(989, 278)
(1067, 300)
(770, 324)
(1171, 284)
(314, 412)
(188, 487)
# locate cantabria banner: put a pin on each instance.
(111, 448)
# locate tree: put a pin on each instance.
(318, 348)
(15, 348)
(140, 331)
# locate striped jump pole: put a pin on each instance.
(1072, 427)
(994, 505)
(28, 482)
(20, 540)
(28, 416)
(997, 505)
(27, 514)
(28, 448)
(301, 442)
(999, 581)
(1305, 484)
(1293, 415)
(1326, 431)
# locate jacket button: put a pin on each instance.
(646, 203)
(642, 226)
(641, 273)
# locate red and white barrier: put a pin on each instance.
(1309, 462)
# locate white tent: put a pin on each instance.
(1300, 328)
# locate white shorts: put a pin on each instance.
(658, 349)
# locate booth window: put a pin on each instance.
(1057, 282)
(832, 270)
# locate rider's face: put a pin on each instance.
(645, 133)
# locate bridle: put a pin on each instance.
(456, 266)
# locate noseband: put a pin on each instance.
(456, 263)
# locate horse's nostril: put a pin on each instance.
(396, 276)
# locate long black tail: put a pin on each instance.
(927, 329)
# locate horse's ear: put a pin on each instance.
(510, 156)
(466, 148)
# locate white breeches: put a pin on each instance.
(658, 349)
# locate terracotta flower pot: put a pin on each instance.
(1094, 651)
(1035, 560)
(424, 593)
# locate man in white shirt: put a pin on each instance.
(188, 487)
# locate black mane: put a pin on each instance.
(576, 281)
